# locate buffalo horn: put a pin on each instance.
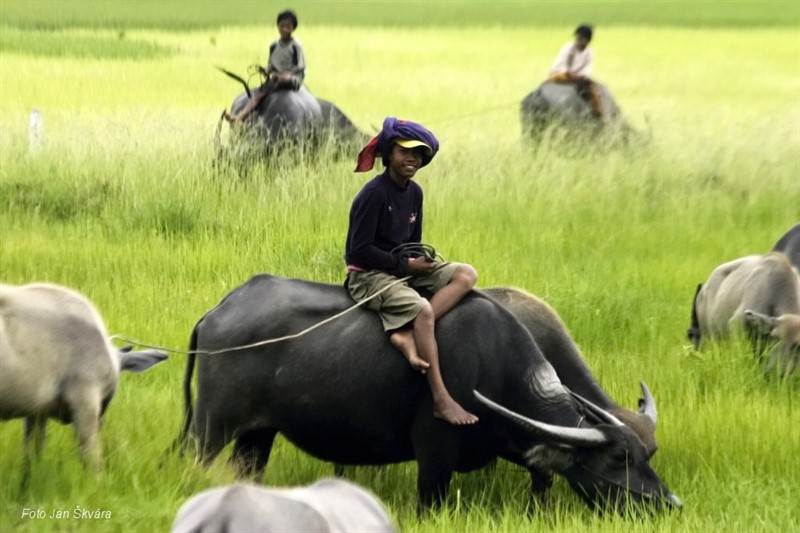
(598, 411)
(647, 404)
(566, 435)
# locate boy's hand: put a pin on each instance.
(419, 266)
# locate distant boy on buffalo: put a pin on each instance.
(387, 213)
(574, 65)
(286, 65)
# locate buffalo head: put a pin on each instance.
(606, 464)
(785, 331)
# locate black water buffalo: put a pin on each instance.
(761, 295)
(560, 104)
(286, 118)
(560, 350)
(329, 505)
(789, 244)
(56, 361)
(342, 394)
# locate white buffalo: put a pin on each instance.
(329, 505)
(759, 293)
(56, 361)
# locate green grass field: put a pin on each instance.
(122, 203)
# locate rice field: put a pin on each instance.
(122, 202)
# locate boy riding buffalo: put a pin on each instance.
(384, 216)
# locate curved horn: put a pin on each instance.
(572, 436)
(647, 404)
(237, 78)
(598, 411)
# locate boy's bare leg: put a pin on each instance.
(447, 297)
(444, 406)
(403, 340)
(251, 104)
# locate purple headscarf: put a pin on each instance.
(394, 129)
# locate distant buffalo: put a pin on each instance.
(288, 120)
(327, 506)
(761, 295)
(56, 362)
(343, 394)
(559, 104)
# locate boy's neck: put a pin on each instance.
(287, 40)
(398, 180)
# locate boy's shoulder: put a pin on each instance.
(373, 187)
(279, 42)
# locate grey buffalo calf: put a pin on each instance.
(329, 505)
(759, 293)
(56, 362)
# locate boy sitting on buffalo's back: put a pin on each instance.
(386, 215)
(286, 66)
(574, 66)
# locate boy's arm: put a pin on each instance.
(562, 60)
(363, 252)
(270, 67)
(300, 67)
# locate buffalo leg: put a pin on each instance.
(34, 436)
(211, 436)
(540, 485)
(84, 404)
(251, 452)
(34, 443)
(436, 449)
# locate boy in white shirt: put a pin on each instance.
(574, 65)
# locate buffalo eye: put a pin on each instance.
(620, 456)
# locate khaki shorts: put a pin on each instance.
(400, 304)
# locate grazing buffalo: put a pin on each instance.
(343, 394)
(286, 118)
(761, 294)
(327, 506)
(789, 244)
(560, 104)
(557, 346)
(56, 362)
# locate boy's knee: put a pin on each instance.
(466, 275)
(426, 313)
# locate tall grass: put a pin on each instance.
(124, 204)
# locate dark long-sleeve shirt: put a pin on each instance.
(382, 217)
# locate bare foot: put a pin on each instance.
(229, 117)
(451, 412)
(404, 341)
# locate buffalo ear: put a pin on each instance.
(140, 361)
(760, 323)
(546, 458)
